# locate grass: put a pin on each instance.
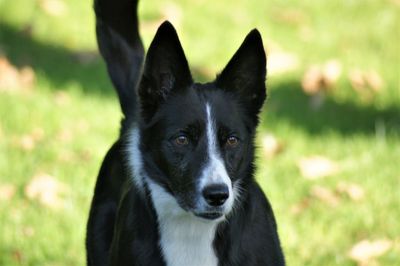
(73, 105)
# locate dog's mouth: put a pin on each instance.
(209, 215)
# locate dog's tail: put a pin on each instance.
(121, 47)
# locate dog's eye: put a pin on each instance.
(182, 140)
(232, 141)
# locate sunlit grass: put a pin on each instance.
(73, 104)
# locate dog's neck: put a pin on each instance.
(184, 238)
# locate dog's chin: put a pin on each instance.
(209, 215)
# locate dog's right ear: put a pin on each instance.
(166, 70)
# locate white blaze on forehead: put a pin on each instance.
(214, 171)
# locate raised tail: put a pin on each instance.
(121, 47)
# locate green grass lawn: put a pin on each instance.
(62, 125)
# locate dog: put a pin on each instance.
(177, 188)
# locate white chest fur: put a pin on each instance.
(186, 240)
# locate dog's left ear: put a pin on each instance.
(166, 70)
(245, 73)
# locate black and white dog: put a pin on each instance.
(177, 188)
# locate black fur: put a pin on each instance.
(122, 226)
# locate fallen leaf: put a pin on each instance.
(46, 189)
(325, 195)
(12, 79)
(85, 155)
(365, 83)
(271, 146)
(27, 77)
(9, 75)
(320, 78)
(27, 143)
(317, 166)
(374, 80)
(17, 256)
(366, 250)
(356, 78)
(281, 62)
(353, 191)
(312, 81)
(299, 207)
(53, 7)
(331, 72)
(7, 191)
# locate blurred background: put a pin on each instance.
(329, 141)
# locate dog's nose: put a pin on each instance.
(216, 194)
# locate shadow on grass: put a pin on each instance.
(61, 66)
(287, 102)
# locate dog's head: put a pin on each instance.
(196, 140)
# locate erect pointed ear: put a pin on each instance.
(245, 73)
(166, 70)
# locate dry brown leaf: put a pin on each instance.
(45, 189)
(374, 80)
(17, 256)
(27, 77)
(85, 155)
(271, 146)
(312, 81)
(316, 167)
(366, 250)
(325, 195)
(27, 143)
(281, 62)
(299, 207)
(356, 78)
(366, 83)
(53, 7)
(9, 75)
(7, 191)
(11, 78)
(331, 72)
(320, 78)
(353, 191)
